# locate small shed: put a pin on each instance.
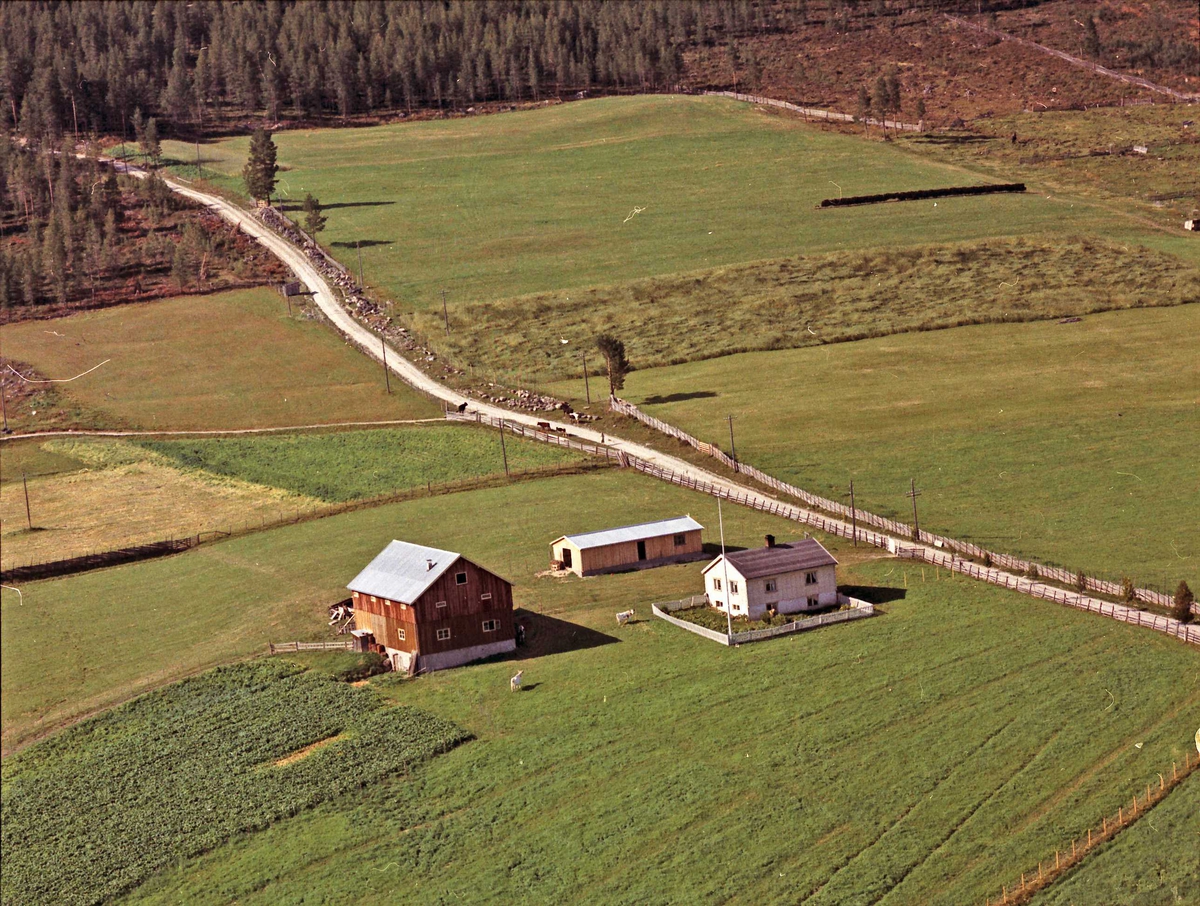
(428, 609)
(629, 547)
(786, 578)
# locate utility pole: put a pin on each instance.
(387, 378)
(853, 515)
(503, 449)
(28, 517)
(914, 494)
(732, 448)
(4, 407)
(358, 248)
(586, 388)
(445, 313)
(725, 566)
(197, 158)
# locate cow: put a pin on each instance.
(462, 407)
(624, 617)
(544, 426)
(514, 684)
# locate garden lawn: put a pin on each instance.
(1071, 443)
(351, 465)
(90, 813)
(229, 360)
(499, 206)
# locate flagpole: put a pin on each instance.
(725, 567)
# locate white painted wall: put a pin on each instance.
(751, 599)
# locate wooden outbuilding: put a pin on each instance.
(629, 547)
(428, 609)
(785, 578)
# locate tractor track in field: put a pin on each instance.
(376, 348)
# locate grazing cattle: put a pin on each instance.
(575, 417)
(624, 617)
(545, 426)
(462, 407)
(514, 684)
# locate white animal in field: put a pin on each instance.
(514, 684)
(624, 617)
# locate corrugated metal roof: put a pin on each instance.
(807, 553)
(638, 532)
(402, 571)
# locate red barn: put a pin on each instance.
(429, 609)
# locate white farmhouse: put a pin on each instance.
(787, 578)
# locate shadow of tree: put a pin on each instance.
(362, 243)
(679, 397)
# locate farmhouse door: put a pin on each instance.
(641, 550)
(566, 557)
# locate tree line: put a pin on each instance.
(90, 68)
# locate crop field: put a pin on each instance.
(1069, 442)
(103, 495)
(229, 360)
(816, 299)
(979, 720)
(90, 814)
(351, 465)
(500, 206)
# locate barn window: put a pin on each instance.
(486, 596)
(717, 584)
(400, 634)
(386, 602)
(373, 601)
(440, 604)
(680, 540)
(460, 578)
(810, 578)
(733, 588)
(489, 625)
(443, 635)
(769, 585)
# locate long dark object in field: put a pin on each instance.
(96, 561)
(919, 194)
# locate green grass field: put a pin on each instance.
(88, 815)
(919, 757)
(352, 465)
(500, 206)
(229, 360)
(1067, 442)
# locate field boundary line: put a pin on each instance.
(814, 112)
(1074, 61)
(214, 432)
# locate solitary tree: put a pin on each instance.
(613, 351)
(863, 110)
(259, 172)
(151, 146)
(314, 220)
(1184, 599)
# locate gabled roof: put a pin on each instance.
(775, 561)
(637, 532)
(402, 571)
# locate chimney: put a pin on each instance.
(770, 540)
(428, 565)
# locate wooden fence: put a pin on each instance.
(1110, 825)
(342, 645)
(891, 526)
(813, 112)
(51, 568)
(663, 610)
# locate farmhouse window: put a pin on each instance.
(733, 588)
(440, 604)
(443, 635)
(769, 585)
(812, 602)
(460, 578)
(810, 578)
(489, 625)
(400, 634)
(680, 540)
(486, 596)
(717, 584)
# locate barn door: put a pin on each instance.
(566, 557)
(641, 550)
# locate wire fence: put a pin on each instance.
(1030, 883)
(814, 112)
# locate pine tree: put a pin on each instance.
(613, 351)
(1184, 599)
(259, 172)
(151, 147)
(314, 220)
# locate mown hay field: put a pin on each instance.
(89, 815)
(922, 756)
(1072, 443)
(228, 360)
(499, 206)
